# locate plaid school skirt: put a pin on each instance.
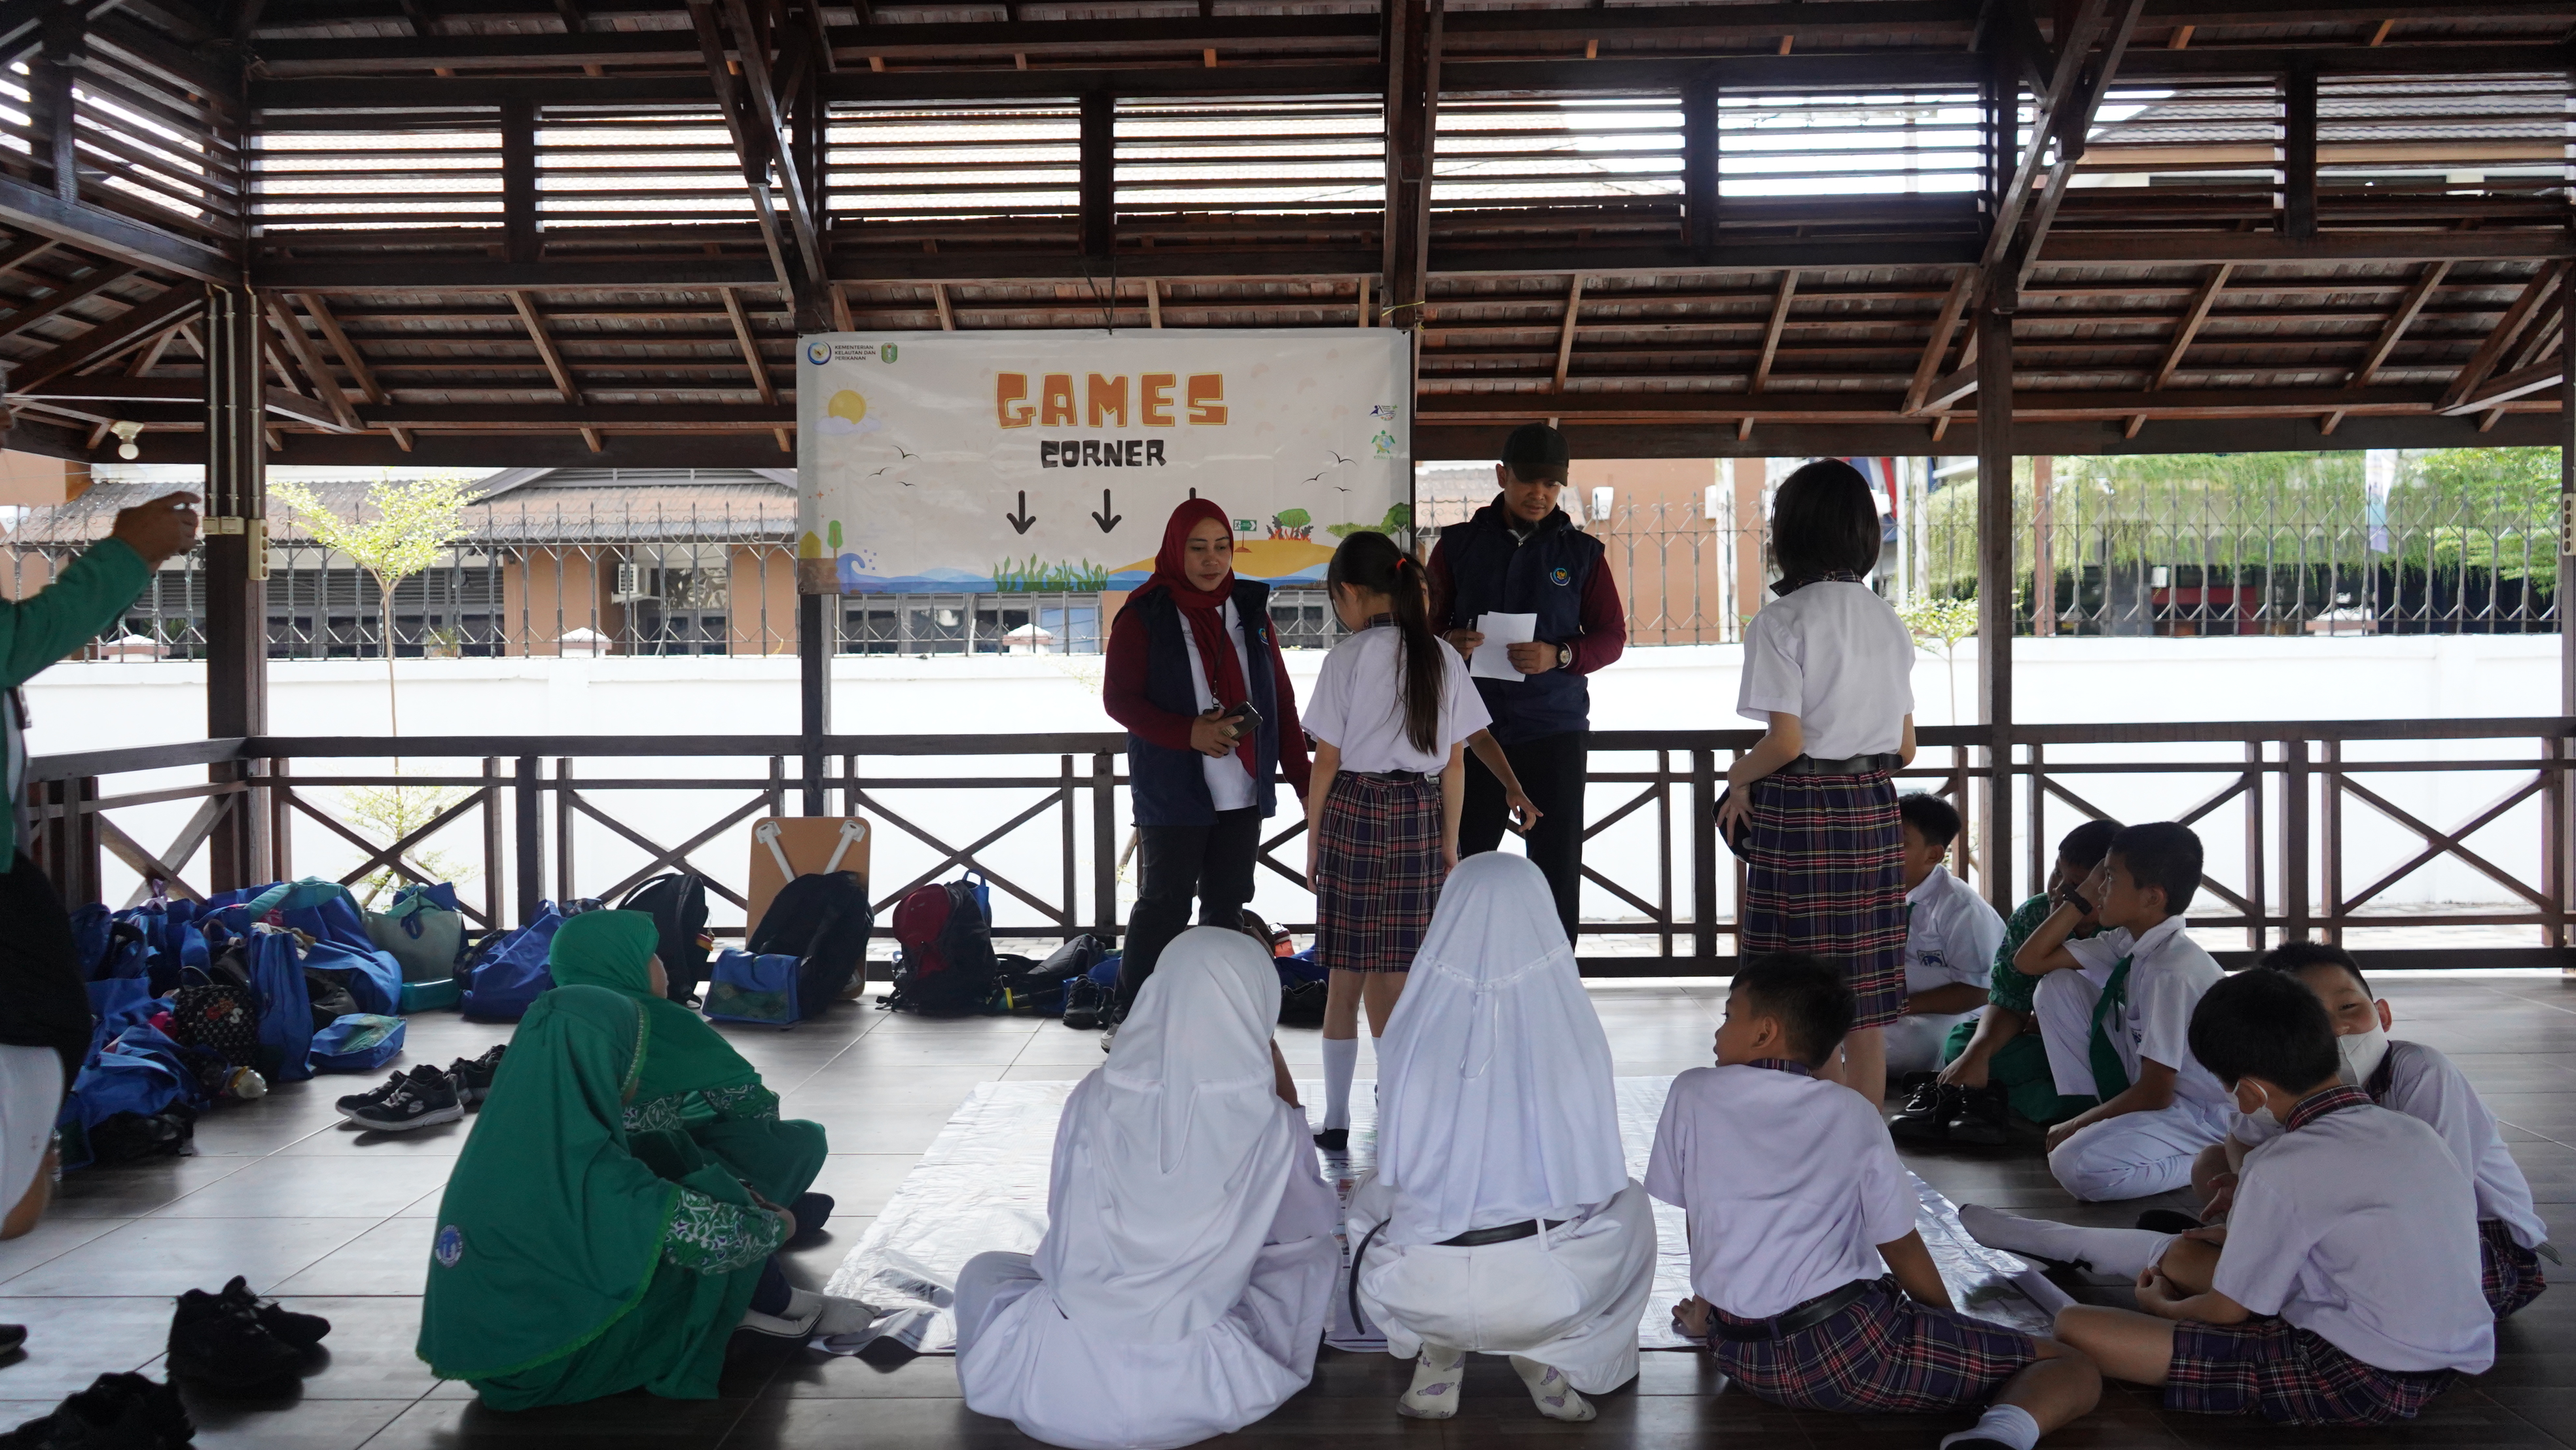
(1378, 872)
(2509, 1273)
(2289, 1376)
(1824, 874)
(1885, 1354)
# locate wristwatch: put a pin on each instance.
(1565, 657)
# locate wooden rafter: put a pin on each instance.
(352, 359)
(1928, 367)
(326, 385)
(749, 147)
(2507, 330)
(751, 359)
(1565, 330)
(2193, 316)
(564, 385)
(64, 295)
(2398, 321)
(1771, 334)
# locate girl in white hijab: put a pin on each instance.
(1501, 1217)
(1181, 1289)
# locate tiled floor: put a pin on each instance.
(337, 1222)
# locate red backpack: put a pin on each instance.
(947, 960)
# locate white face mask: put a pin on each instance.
(2362, 1053)
(2260, 1113)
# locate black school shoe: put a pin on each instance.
(1982, 1116)
(370, 1098)
(117, 1412)
(425, 1097)
(473, 1075)
(219, 1343)
(300, 1330)
(1334, 1140)
(1925, 1118)
(13, 1337)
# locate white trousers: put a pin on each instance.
(2135, 1155)
(1915, 1041)
(1571, 1297)
(2064, 1002)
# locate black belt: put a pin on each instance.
(1395, 777)
(1804, 1317)
(1848, 765)
(1477, 1238)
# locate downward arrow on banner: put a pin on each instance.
(1105, 518)
(1021, 520)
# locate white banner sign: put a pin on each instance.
(966, 462)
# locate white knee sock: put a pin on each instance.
(1341, 1063)
(1439, 1373)
(2122, 1251)
(2010, 1424)
(1556, 1397)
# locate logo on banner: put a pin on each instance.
(888, 353)
(818, 352)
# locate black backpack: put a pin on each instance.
(947, 963)
(823, 920)
(678, 905)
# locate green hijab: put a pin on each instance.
(550, 1229)
(614, 949)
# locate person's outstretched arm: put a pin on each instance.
(93, 589)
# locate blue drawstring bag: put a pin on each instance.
(285, 1008)
(742, 987)
(1104, 973)
(510, 972)
(140, 1072)
(1303, 967)
(374, 982)
(358, 1042)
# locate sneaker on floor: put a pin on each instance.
(428, 1096)
(473, 1075)
(804, 1309)
(1925, 1118)
(301, 1330)
(370, 1098)
(125, 1411)
(1334, 1140)
(13, 1337)
(222, 1345)
(1983, 1117)
(844, 1316)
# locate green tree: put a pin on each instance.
(414, 522)
(1943, 622)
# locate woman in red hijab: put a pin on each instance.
(1195, 676)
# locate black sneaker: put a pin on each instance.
(373, 1096)
(1983, 1117)
(2167, 1221)
(473, 1075)
(222, 1345)
(1334, 1140)
(13, 1337)
(301, 1330)
(1925, 1118)
(427, 1096)
(124, 1411)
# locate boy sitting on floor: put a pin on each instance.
(1813, 1288)
(1997, 1066)
(2115, 1013)
(1950, 939)
(2354, 1227)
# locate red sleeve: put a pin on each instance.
(1444, 587)
(1605, 624)
(1123, 689)
(1293, 766)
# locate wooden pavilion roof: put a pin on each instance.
(519, 232)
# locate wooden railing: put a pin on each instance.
(2279, 804)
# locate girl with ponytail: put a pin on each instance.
(1391, 715)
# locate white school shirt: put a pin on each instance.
(1229, 784)
(2360, 1229)
(1951, 934)
(2168, 974)
(1836, 656)
(1358, 705)
(1789, 1184)
(2426, 1086)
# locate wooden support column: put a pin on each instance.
(816, 618)
(1412, 125)
(1995, 579)
(2043, 552)
(1099, 175)
(49, 98)
(2566, 823)
(236, 565)
(519, 179)
(1700, 142)
(2299, 150)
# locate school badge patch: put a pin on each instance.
(1559, 575)
(449, 1246)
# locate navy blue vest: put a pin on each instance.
(1493, 570)
(1169, 787)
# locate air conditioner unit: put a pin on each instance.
(630, 583)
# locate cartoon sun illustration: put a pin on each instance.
(849, 406)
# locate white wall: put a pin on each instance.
(97, 706)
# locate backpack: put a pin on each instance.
(750, 987)
(947, 962)
(823, 920)
(218, 1017)
(510, 971)
(677, 902)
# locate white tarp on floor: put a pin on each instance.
(983, 1185)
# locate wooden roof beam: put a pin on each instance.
(65, 293)
(2069, 123)
(110, 338)
(1771, 333)
(1928, 367)
(2192, 318)
(764, 80)
(752, 359)
(748, 146)
(1564, 333)
(2399, 320)
(326, 386)
(564, 385)
(2508, 328)
(350, 357)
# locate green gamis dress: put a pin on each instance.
(693, 1082)
(573, 1258)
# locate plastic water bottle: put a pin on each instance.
(246, 1084)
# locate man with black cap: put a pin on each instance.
(1520, 554)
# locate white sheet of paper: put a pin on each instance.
(1500, 631)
